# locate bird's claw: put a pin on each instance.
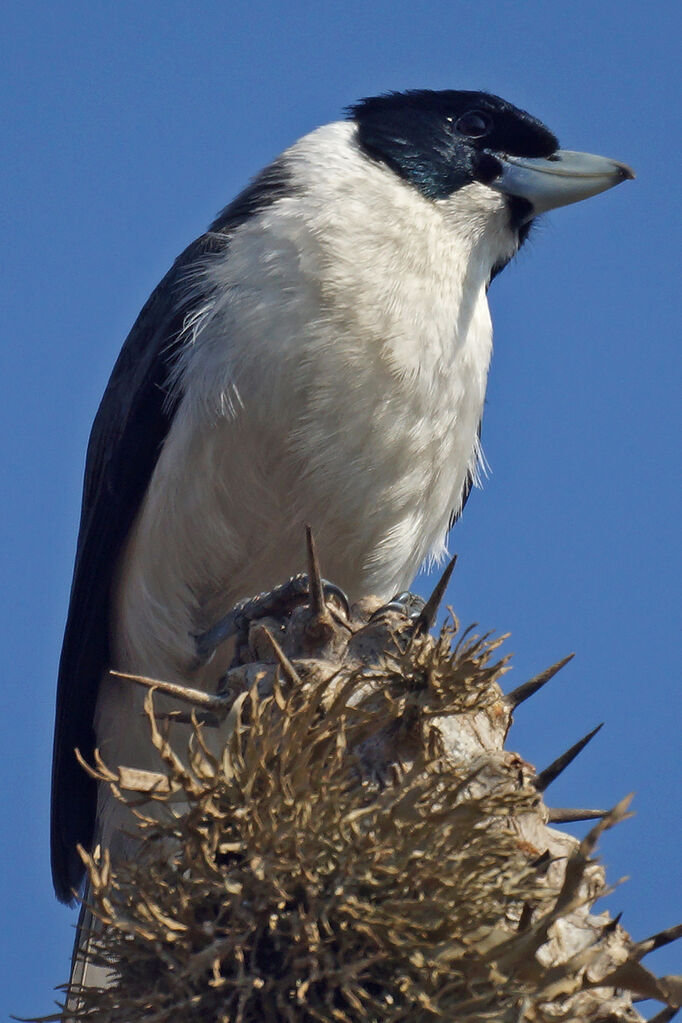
(420, 613)
(276, 602)
(405, 603)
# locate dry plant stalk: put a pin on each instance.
(346, 839)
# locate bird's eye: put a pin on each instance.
(474, 124)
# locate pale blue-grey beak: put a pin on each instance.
(559, 180)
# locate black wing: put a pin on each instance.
(129, 429)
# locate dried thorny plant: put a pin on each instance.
(347, 852)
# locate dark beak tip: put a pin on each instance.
(627, 173)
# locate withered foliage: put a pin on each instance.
(361, 849)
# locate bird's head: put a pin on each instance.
(440, 142)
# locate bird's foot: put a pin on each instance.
(276, 603)
(420, 613)
(307, 587)
(410, 605)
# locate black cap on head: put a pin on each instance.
(440, 141)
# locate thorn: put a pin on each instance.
(542, 863)
(285, 664)
(610, 927)
(665, 1015)
(659, 940)
(197, 697)
(545, 778)
(528, 689)
(427, 615)
(320, 624)
(569, 815)
(315, 587)
(525, 918)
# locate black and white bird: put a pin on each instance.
(319, 355)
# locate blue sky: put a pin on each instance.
(127, 126)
